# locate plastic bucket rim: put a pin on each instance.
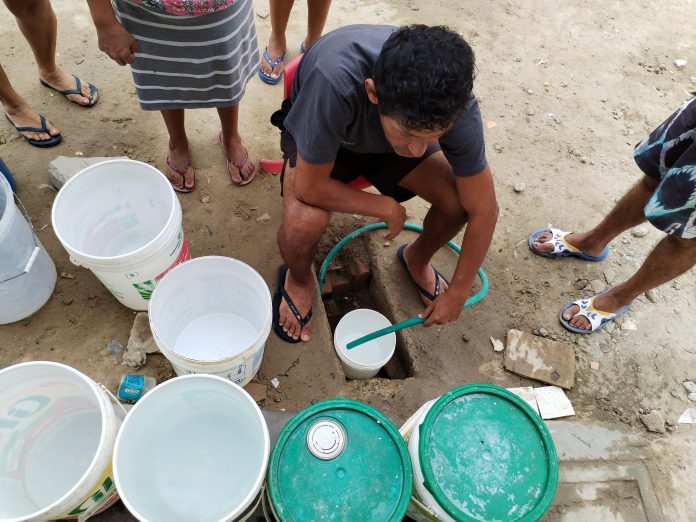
(103, 403)
(175, 380)
(174, 202)
(343, 352)
(296, 420)
(430, 483)
(262, 334)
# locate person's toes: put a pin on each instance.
(541, 246)
(570, 312)
(305, 334)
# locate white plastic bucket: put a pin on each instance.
(27, 273)
(194, 448)
(122, 220)
(364, 361)
(212, 315)
(57, 434)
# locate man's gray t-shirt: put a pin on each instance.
(330, 108)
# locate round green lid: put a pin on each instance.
(486, 455)
(339, 460)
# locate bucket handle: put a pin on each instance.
(425, 510)
(113, 398)
(34, 253)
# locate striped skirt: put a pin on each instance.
(187, 62)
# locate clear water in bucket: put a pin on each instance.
(215, 336)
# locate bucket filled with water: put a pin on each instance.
(212, 315)
(480, 452)
(122, 220)
(338, 460)
(27, 273)
(194, 448)
(57, 434)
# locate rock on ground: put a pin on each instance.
(61, 169)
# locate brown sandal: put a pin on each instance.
(181, 172)
(238, 179)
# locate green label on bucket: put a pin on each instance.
(145, 289)
(98, 498)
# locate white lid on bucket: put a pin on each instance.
(355, 324)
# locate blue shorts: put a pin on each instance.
(668, 155)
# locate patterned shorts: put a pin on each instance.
(668, 154)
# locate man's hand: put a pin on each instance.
(117, 43)
(446, 307)
(394, 217)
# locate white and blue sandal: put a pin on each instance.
(597, 318)
(561, 247)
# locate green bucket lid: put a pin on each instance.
(339, 460)
(486, 455)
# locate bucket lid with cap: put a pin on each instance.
(486, 455)
(339, 460)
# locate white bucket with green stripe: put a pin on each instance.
(57, 434)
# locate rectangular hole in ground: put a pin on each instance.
(345, 290)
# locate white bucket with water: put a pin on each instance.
(194, 448)
(27, 273)
(122, 220)
(212, 315)
(363, 361)
(57, 434)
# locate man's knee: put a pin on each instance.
(23, 9)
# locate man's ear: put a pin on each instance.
(371, 90)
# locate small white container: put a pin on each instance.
(364, 361)
(212, 315)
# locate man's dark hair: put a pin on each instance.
(424, 76)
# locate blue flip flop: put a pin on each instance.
(5, 171)
(93, 91)
(421, 290)
(597, 318)
(53, 140)
(267, 78)
(561, 247)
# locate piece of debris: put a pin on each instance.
(67, 301)
(629, 324)
(552, 402)
(263, 15)
(519, 187)
(640, 231)
(497, 344)
(690, 386)
(491, 124)
(498, 147)
(205, 199)
(415, 8)
(680, 63)
(257, 391)
(264, 218)
(540, 359)
(594, 365)
(114, 347)
(67, 275)
(79, 153)
(275, 382)
(61, 169)
(386, 243)
(465, 338)
(526, 393)
(653, 421)
(652, 295)
(141, 335)
(134, 359)
(580, 284)
(688, 417)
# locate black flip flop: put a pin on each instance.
(422, 291)
(53, 140)
(278, 297)
(93, 91)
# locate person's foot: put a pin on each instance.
(576, 239)
(301, 296)
(179, 171)
(241, 167)
(25, 116)
(606, 302)
(276, 49)
(423, 274)
(62, 81)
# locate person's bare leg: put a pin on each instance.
(38, 24)
(433, 180)
(179, 149)
(232, 140)
(302, 228)
(280, 14)
(317, 12)
(627, 213)
(671, 257)
(19, 111)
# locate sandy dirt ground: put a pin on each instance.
(566, 90)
